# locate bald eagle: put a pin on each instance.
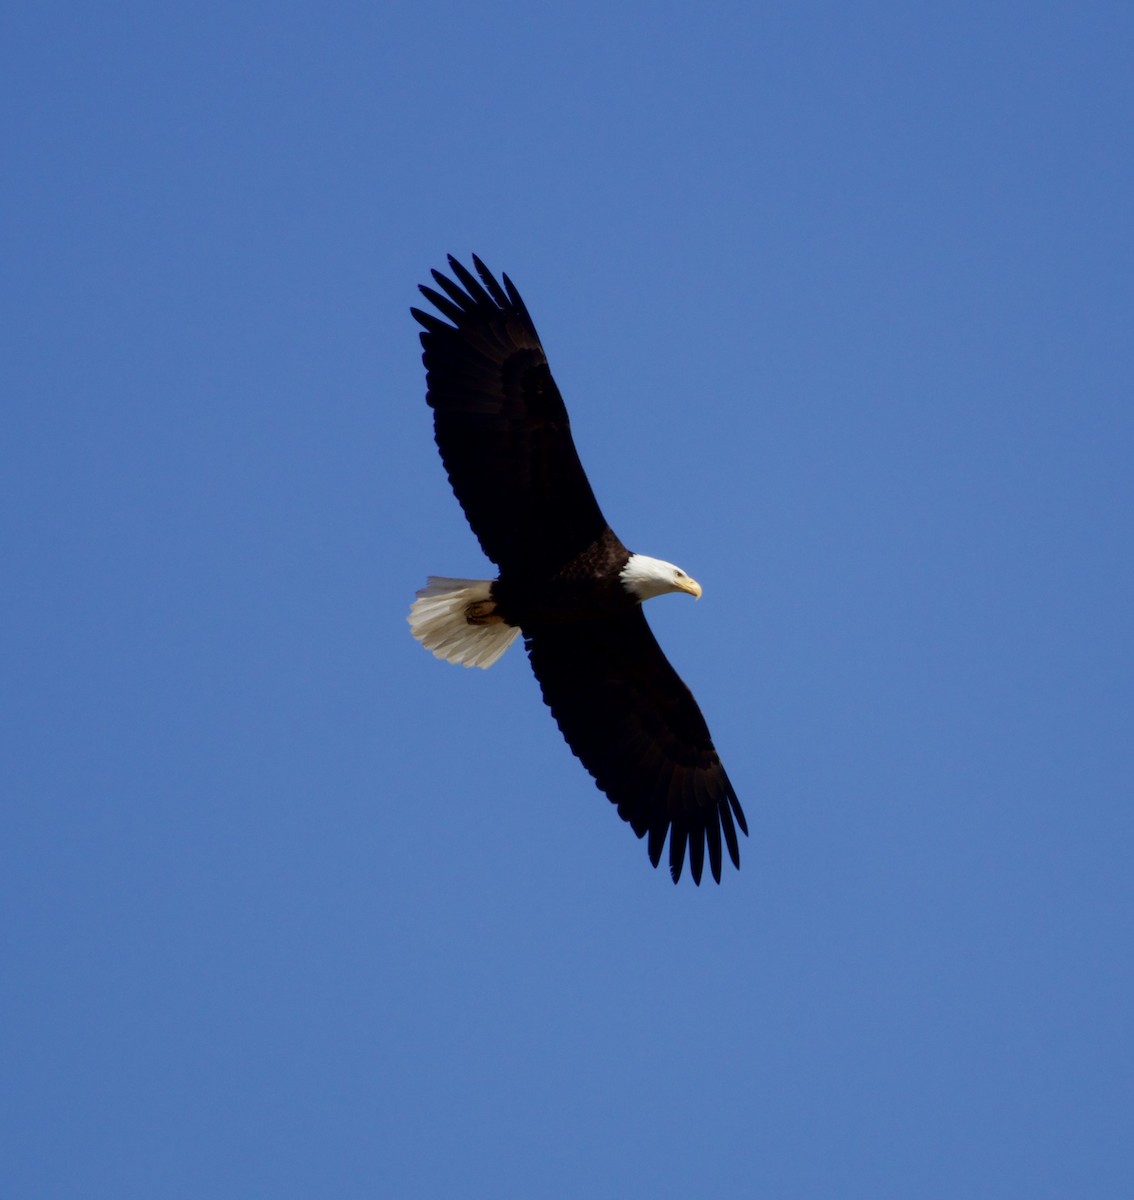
(566, 582)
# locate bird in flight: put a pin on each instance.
(565, 580)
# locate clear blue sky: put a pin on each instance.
(841, 298)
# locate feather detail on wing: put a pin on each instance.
(501, 425)
(635, 726)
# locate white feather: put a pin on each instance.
(646, 577)
(437, 619)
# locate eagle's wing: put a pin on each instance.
(636, 727)
(501, 425)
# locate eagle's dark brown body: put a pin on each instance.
(588, 588)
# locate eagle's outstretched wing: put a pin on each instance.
(501, 425)
(635, 726)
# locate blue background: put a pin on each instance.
(841, 299)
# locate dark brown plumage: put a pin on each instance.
(505, 439)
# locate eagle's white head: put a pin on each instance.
(645, 577)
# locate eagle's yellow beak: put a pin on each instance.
(691, 586)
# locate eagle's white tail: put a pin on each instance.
(454, 619)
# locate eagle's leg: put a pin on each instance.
(483, 612)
